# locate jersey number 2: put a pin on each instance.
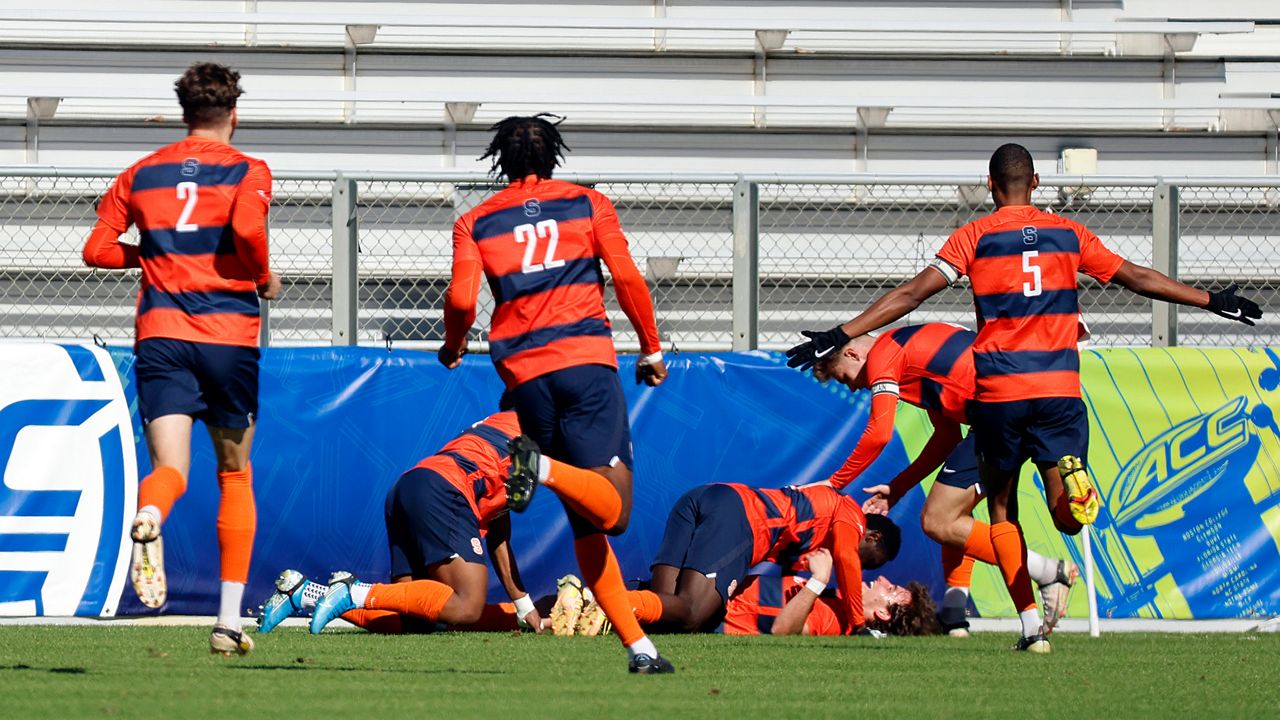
(529, 234)
(187, 191)
(1032, 288)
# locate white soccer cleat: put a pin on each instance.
(1054, 595)
(569, 604)
(227, 642)
(146, 571)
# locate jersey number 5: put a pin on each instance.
(1032, 288)
(530, 234)
(187, 191)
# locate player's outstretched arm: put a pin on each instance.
(791, 618)
(875, 437)
(892, 306)
(844, 548)
(630, 287)
(1158, 286)
(504, 566)
(946, 435)
(103, 248)
(460, 298)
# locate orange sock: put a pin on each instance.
(495, 618)
(161, 489)
(420, 598)
(237, 521)
(957, 567)
(382, 622)
(978, 544)
(601, 572)
(1011, 556)
(646, 605)
(590, 494)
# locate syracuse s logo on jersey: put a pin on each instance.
(190, 167)
(532, 208)
(69, 481)
(1029, 235)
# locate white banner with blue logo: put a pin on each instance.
(70, 481)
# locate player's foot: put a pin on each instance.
(1038, 644)
(593, 621)
(286, 600)
(645, 665)
(568, 608)
(956, 629)
(1054, 595)
(334, 603)
(146, 571)
(225, 641)
(523, 478)
(1082, 497)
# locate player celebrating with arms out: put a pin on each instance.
(1022, 265)
(539, 242)
(201, 210)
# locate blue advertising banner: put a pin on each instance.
(1184, 448)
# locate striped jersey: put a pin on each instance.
(1022, 264)
(200, 207)
(540, 242)
(476, 463)
(755, 608)
(929, 366)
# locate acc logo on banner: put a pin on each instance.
(69, 483)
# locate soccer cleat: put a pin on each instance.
(1038, 644)
(522, 480)
(1082, 498)
(227, 642)
(285, 601)
(1054, 595)
(956, 629)
(567, 611)
(146, 570)
(645, 665)
(593, 621)
(334, 603)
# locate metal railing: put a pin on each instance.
(734, 261)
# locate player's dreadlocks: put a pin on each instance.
(918, 617)
(526, 145)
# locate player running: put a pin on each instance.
(1022, 265)
(539, 242)
(201, 209)
(716, 533)
(930, 366)
(436, 514)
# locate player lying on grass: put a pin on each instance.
(716, 533)
(436, 514)
(930, 366)
(1023, 267)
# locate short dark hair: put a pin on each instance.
(525, 145)
(890, 540)
(207, 93)
(918, 617)
(1011, 167)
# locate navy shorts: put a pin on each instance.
(1043, 430)
(214, 383)
(708, 531)
(429, 522)
(961, 468)
(577, 415)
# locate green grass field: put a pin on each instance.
(157, 672)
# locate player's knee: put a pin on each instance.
(468, 609)
(620, 525)
(933, 524)
(1067, 527)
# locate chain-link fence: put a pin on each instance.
(826, 248)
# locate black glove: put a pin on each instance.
(819, 345)
(1233, 307)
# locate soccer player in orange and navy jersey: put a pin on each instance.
(716, 533)
(931, 366)
(436, 515)
(1022, 265)
(540, 242)
(200, 207)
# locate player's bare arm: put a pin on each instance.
(504, 566)
(790, 620)
(893, 305)
(1158, 286)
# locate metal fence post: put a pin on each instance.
(345, 249)
(1164, 257)
(746, 265)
